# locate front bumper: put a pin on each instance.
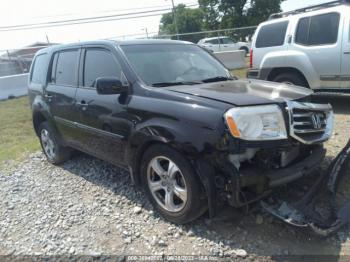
(288, 174)
(319, 208)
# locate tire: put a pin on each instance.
(291, 78)
(184, 178)
(53, 150)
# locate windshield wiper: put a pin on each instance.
(165, 84)
(217, 79)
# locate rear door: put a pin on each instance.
(227, 44)
(61, 89)
(317, 37)
(103, 124)
(213, 44)
(345, 64)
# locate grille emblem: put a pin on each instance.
(316, 121)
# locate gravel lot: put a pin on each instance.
(87, 206)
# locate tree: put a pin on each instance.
(237, 13)
(188, 20)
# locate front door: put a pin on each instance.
(102, 123)
(60, 92)
(345, 62)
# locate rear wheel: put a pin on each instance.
(54, 152)
(291, 79)
(172, 185)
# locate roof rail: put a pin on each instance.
(309, 9)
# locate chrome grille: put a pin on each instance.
(310, 123)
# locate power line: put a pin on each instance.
(86, 20)
(114, 10)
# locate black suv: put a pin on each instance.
(191, 135)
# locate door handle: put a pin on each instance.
(48, 97)
(82, 104)
(347, 53)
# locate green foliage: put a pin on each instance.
(218, 14)
(188, 20)
(237, 13)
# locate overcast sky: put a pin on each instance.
(14, 12)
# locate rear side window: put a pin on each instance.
(100, 63)
(65, 68)
(39, 71)
(213, 41)
(318, 30)
(226, 41)
(272, 35)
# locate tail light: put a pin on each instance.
(251, 59)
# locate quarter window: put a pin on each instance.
(66, 68)
(272, 35)
(39, 70)
(318, 30)
(100, 63)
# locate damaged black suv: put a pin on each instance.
(191, 135)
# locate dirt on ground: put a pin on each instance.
(88, 207)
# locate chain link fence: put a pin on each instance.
(242, 34)
(18, 61)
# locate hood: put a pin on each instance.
(244, 92)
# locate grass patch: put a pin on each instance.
(240, 73)
(17, 136)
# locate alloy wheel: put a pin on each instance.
(48, 144)
(167, 184)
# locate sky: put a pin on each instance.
(15, 12)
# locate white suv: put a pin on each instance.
(308, 47)
(223, 43)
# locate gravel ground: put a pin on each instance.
(89, 207)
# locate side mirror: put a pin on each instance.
(109, 86)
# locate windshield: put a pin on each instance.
(173, 63)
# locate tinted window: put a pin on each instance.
(66, 68)
(272, 35)
(213, 41)
(318, 30)
(302, 34)
(39, 70)
(100, 63)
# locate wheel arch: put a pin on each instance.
(282, 70)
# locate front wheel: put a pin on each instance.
(172, 185)
(53, 150)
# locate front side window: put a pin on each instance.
(100, 63)
(318, 30)
(66, 68)
(39, 70)
(272, 35)
(169, 63)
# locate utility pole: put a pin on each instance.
(175, 20)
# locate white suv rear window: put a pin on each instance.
(272, 35)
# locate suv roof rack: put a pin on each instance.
(309, 9)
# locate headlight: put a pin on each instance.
(256, 123)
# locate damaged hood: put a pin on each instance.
(244, 92)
